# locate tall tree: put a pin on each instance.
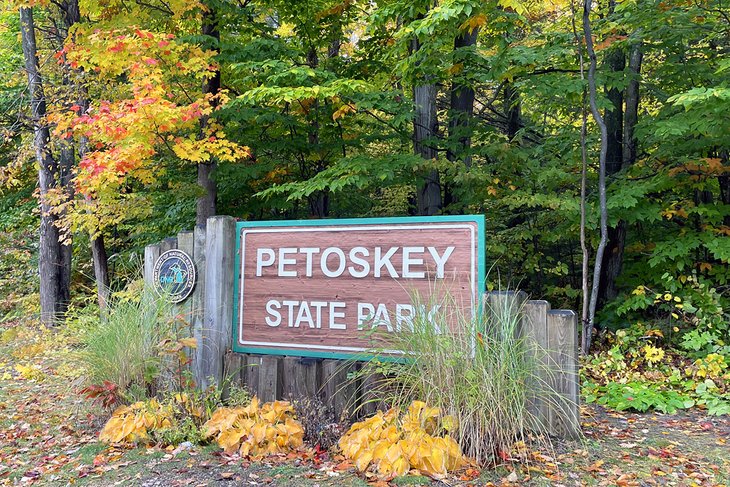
(425, 128)
(587, 335)
(54, 290)
(206, 203)
(621, 154)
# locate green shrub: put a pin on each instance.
(638, 368)
(481, 376)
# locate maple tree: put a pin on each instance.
(158, 109)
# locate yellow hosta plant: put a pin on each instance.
(394, 444)
(257, 429)
(135, 422)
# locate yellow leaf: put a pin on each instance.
(189, 342)
(363, 460)
(474, 22)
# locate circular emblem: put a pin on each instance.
(174, 275)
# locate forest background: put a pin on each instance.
(148, 116)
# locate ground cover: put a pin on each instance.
(48, 436)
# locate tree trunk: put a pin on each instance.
(462, 108)
(613, 257)
(71, 15)
(66, 165)
(724, 182)
(593, 101)
(206, 204)
(425, 127)
(616, 62)
(101, 270)
(53, 295)
(631, 114)
(512, 109)
(460, 115)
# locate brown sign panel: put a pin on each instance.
(318, 288)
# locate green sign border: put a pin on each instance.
(481, 269)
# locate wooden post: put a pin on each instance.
(371, 391)
(339, 391)
(251, 373)
(269, 387)
(233, 371)
(300, 377)
(220, 245)
(502, 306)
(185, 243)
(151, 254)
(197, 299)
(563, 349)
(534, 331)
(168, 244)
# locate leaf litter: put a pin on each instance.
(49, 436)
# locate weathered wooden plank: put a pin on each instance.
(197, 299)
(502, 309)
(339, 392)
(218, 301)
(372, 388)
(251, 373)
(269, 387)
(233, 368)
(168, 244)
(533, 329)
(563, 349)
(183, 310)
(151, 254)
(300, 377)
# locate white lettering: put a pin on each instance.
(440, 260)
(408, 261)
(359, 261)
(323, 262)
(384, 260)
(318, 305)
(304, 315)
(260, 263)
(270, 305)
(382, 317)
(365, 312)
(337, 314)
(290, 305)
(309, 252)
(401, 318)
(284, 261)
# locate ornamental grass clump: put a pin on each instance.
(481, 375)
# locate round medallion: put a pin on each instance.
(174, 275)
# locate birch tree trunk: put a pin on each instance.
(587, 336)
(53, 293)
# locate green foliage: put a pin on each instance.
(18, 260)
(638, 370)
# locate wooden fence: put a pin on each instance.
(551, 336)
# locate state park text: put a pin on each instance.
(317, 286)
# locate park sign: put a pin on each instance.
(319, 288)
